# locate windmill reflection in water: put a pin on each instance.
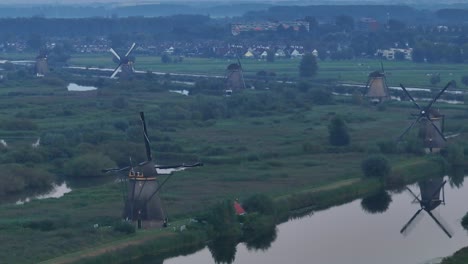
(432, 195)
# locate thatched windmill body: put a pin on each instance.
(41, 66)
(141, 200)
(234, 77)
(125, 63)
(432, 123)
(432, 195)
(376, 87)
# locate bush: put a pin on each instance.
(338, 132)
(16, 178)
(387, 146)
(223, 220)
(376, 166)
(42, 225)
(464, 221)
(124, 227)
(455, 155)
(259, 203)
(89, 165)
(377, 202)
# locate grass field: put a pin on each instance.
(254, 152)
(357, 70)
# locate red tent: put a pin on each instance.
(238, 208)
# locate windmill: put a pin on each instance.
(141, 188)
(376, 87)
(125, 63)
(432, 122)
(431, 191)
(234, 77)
(41, 66)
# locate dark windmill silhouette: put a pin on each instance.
(234, 77)
(432, 122)
(142, 202)
(376, 87)
(432, 195)
(125, 63)
(41, 67)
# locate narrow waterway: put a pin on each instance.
(349, 234)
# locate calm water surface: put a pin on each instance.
(348, 234)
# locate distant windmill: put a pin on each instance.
(431, 192)
(432, 122)
(41, 65)
(125, 63)
(142, 202)
(234, 77)
(376, 87)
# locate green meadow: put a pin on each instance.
(273, 142)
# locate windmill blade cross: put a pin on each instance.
(115, 169)
(410, 97)
(238, 62)
(145, 133)
(414, 195)
(437, 129)
(131, 49)
(115, 54)
(439, 224)
(438, 95)
(409, 128)
(178, 166)
(438, 189)
(410, 221)
(117, 70)
(159, 188)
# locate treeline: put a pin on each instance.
(196, 25)
(147, 10)
(379, 12)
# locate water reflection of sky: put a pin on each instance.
(347, 234)
(57, 191)
(79, 88)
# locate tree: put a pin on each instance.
(376, 166)
(89, 165)
(338, 132)
(377, 202)
(308, 66)
(345, 23)
(270, 55)
(35, 42)
(165, 58)
(435, 79)
(464, 221)
(464, 80)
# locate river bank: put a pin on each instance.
(292, 205)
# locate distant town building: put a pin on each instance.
(367, 24)
(237, 28)
(389, 54)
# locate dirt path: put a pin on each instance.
(105, 248)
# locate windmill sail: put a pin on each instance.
(141, 199)
(433, 121)
(125, 65)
